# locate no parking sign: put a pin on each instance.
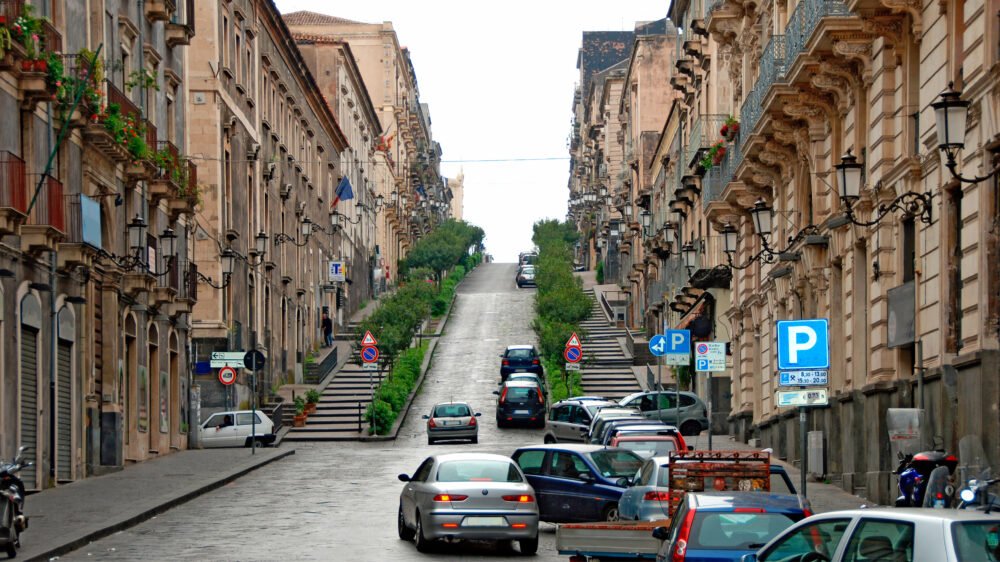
(227, 375)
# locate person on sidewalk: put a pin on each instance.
(327, 330)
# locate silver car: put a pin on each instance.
(569, 420)
(910, 534)
(648, 499)
(452, 420)
(468, 496)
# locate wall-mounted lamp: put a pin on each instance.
(952, 113)
(849, 176)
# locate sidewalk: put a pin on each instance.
(66, 518)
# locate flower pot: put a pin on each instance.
(41, 65)
(310, 407)
(27, 65)
(299, 421)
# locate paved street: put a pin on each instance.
(338, 501)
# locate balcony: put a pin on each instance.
(159, 10)
(806, 17)
(13, 193)
(138, 282)
(182, 283)
(704, 132)
(772, 67)
(165, 182)
(143, 169)
(712, 270)
(179, 31)
(46, 225)
(83, 232)
(187, 193)
(98, 136)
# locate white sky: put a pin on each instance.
(500, 86)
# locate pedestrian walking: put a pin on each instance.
(327, 330)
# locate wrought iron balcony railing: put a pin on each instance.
(803, 21)
(13, 182)
(704, 132)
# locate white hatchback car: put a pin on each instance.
(233, 429)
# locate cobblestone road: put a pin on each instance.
(338, 501)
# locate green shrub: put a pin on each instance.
(390, 398)
(312, 396)
(600, 273)
(380, 417)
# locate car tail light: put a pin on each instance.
(503, 395)
(450, 498)
(472, 421)
(523, 498)
(680, 547)
(505, 363)
(450, 525)
(536, 362)
(655, 496)
(807, 513)
(430, 423)
(519, 526)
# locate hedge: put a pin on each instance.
(392, 393)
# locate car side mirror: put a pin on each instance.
(661, 533)
(478, 414)
(623, 482)
(497, 392)
(587, 477)
(690, 447)
(752, 557)
(426, 417)
(501, 355)
(404, 477)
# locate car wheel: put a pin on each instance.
(257, 443)
(475, 440)
(529, 546)
(499, 423)
(549, 439)
(421, 542)
(405, 533)
(690, 428)
(430, 440)
(610, 512)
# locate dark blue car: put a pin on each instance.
(577, 483)
(723, 526)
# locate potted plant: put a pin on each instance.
(300, 412)
(312, 398)
(730, 129)
(719, 153)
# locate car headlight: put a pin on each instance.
(967, 495)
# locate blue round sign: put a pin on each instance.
(573, 354)
(369, 354)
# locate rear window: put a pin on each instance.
(616, 464)
(977, 541)
(519, 353)
(248, 419)
(737, 531)
(478, 471)
(521, 393)
(778, 484)
(657, 448)
(451, 411)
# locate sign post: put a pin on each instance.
(803, 345)
(573, 354)
(710, 357)
(254, 359)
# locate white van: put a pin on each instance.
(232, 429)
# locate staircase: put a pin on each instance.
(343, 400)
(607, 371)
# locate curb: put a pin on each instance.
(424, 369)
(80, 542)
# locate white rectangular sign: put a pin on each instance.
(572, 366)
(220, 359)
(228, 355)
(709, 357)
(369, 366)
(803, 378)
(337, 272)
(676, 360)
(814, 397)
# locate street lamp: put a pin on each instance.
(137, 234)
(690, 254)
(762, 216)
(603, 191)
(645, 218)
(850, 177)
(952, 113)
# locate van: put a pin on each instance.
(234, 428)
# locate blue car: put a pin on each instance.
(576, 483)
(724, 526)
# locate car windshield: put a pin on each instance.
(977, 541)
(737, 531)
(651, 448)
(519, 353)
(451, 411)
(616, 464)
(478, 471)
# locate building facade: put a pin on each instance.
(95, 198)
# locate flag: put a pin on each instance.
(421, 190)
(344, 192)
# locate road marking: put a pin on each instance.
(492, 339)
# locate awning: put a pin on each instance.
(693, 313)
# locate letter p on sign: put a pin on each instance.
(803, 344)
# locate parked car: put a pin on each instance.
(234, 428)
(648, 498)
(520, 402)
(529, 377)
(604, 431)
(908, 534)
(662, 405)
(609, 412)
(569, 420)
(527, 258)
(520, 358)
(525, 276)
(725, 526)
(468, 496)
(603, 422)
(577, 482)
(452, 420)
(648, 446)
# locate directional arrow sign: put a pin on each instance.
(574, 341)
(369, 339)
(369, 354)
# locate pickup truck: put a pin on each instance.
(695, 471)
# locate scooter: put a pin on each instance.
(13, 522)
(923, 472)
(976, 471)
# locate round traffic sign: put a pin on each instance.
(227, 375)
(369, 354)
(254, 360)
(702, 349)
(573, 354)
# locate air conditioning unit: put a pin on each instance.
(286, 191)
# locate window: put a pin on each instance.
(580, 415)
(779, 485)
(821, 537)
(451, 411)
(882, 539)
(423, 472)
(519, 354)
(530, 461)
(568, 465)
(976, 540)
(560, 414)
(478, 471)
(247, 419)
(737, 531)
(666, 401)
(225, 40)
(616, 464)
(645, 474)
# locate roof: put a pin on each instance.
(918, 514)
(575, 447)
(521, 346)
(724, 501)
(470, 457)
(601, 49)
(305, 17)
(520, 384)
(583, 399)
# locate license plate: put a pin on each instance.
(484, 522)
(522, 412)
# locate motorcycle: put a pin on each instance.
(976, 472)
(13, 522)
(925, 479)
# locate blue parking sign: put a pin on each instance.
(803, 344)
